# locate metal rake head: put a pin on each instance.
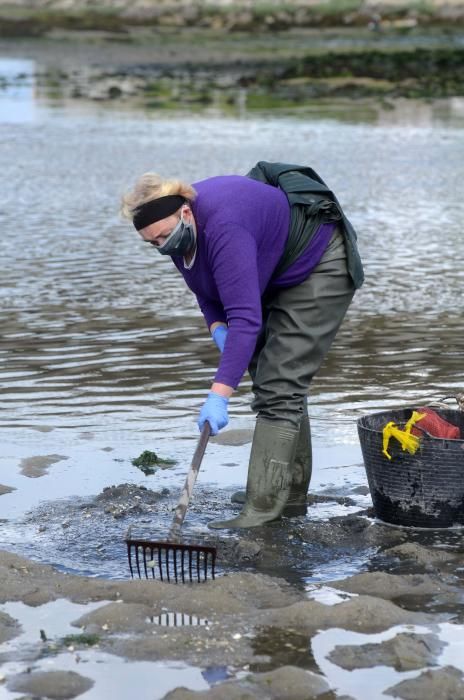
(172, 562)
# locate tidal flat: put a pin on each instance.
(332, 605)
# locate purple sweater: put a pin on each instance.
(242, 228)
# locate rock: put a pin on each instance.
(361, 614)
(405, 652)
(420, 554)
(285, 683)
(129, 492)
(360, 490)
(6, 489)
(288, 683)
(443, 684)
(389, 586)
(246, 550)
(57, 685)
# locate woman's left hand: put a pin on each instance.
(214, 411)
(220, 336)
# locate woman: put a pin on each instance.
(273, 262)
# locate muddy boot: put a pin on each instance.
(269, 476)
(301, 474)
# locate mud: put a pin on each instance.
(443, 683)
(8, 628)
(286, 683)
(251, 622)
(406, 652)
(35, 467)
(260, 627)
(6, 489)
(56, 685)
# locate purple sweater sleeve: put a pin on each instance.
(235, 270)
(211, 310)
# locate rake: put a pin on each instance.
(172, 560)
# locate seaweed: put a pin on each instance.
(148, 462)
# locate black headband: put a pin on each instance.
(157, 209)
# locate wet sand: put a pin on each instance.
(261, 629)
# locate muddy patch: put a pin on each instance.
(259, 630)
(37, 466)
(54, 684)
(9, 628)
(286, 683)
(405, 652)
(443, 683)
(86, 535)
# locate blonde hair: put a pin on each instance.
(151, 186)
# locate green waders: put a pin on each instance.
(299, 325)
(301, 468)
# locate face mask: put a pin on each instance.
(180, 241)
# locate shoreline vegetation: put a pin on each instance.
(192, 55)
(36, 17)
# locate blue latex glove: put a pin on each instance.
(214, 411)
(219, 336)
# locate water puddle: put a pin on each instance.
(49, 624)
(52, 619)
(378, 679)
(327, 595)
(116, 678)
(280, 647)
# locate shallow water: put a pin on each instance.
(103, 350)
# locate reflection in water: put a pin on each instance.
(173, 619)
(17, 91)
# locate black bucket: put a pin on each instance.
(425, 489)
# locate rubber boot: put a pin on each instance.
(269, 476)
(301, 474)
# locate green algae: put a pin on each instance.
(81, 640)
(148, 462)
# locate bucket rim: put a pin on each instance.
(406, 408)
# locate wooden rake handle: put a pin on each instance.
(184, 500)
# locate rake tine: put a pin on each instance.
(152, 559)
(174, 556)
(205, 565)
(160, 564)
(137, 561)
(144, 551)
(182, 564)
(167, 564)
(198, 565)
(190, 566)
(129, 547)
